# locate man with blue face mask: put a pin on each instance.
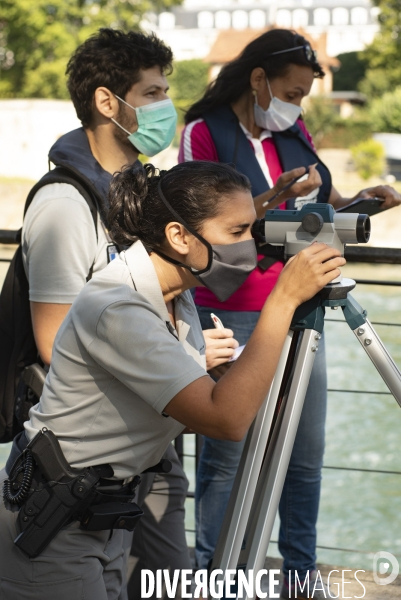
(118, 86)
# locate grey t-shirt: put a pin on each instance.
(59, 244)
(115, 366)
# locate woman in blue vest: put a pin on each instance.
(251, 116)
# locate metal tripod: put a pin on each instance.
(252, 508)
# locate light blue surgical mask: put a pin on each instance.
(157, 123)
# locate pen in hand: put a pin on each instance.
(286, 187)
(216, 321)
(219, 325)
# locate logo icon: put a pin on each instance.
(385, 563)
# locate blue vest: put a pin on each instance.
(233, 147)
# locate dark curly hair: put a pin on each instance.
(233, 79)
(113, 59)
(195, 190)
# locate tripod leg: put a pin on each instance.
(373, 346)
(236, 517)
(379, 356)
(273, 473)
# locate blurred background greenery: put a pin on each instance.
(43, 34)
(36, 40)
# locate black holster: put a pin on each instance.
(52, 494)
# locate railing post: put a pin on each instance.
(198, 450)
(179, 447)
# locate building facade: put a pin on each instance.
(192, 28)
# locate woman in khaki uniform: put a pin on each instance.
(128, 371)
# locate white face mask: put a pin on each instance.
(279, 116)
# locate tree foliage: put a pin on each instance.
(42, 35)
(384, 54)
(375, 83)
(187, 84)
(351, 71)
(385, 112)
(320, 117)
(329, 129)
(369, 158)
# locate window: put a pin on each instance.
(240, 19)
(359, 16)
(205, 20)
(222, 19)
(321, 16)
(257, 19)
(166, 20)
(194, 4)
(340, 16)
(300, 18)
(283, 18)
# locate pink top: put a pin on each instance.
(197, 144)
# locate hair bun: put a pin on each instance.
(128, 189)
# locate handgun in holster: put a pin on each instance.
(57, 494)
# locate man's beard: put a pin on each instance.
(129, 123)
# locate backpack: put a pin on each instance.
(21, 371)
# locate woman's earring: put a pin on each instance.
(255, 92)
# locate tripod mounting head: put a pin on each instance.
(296, 230)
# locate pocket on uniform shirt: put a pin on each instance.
(66, 589)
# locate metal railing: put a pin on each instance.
(352, 254)
(362, 254)
(8, 236)
(358, 254)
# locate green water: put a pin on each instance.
(359, 511)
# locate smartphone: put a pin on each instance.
(364, 206)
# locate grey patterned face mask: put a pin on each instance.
(228, 265)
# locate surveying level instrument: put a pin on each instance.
(251, 511)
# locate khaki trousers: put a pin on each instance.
(77, 564)
(92, 565)
(159, 538)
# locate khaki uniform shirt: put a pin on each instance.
(59, 244)
(116, 365)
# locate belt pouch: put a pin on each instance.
(112, 515)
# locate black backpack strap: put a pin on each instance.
(17, 342)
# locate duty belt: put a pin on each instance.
(51, 494)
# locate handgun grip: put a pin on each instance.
(49, 457)
(34, 378)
